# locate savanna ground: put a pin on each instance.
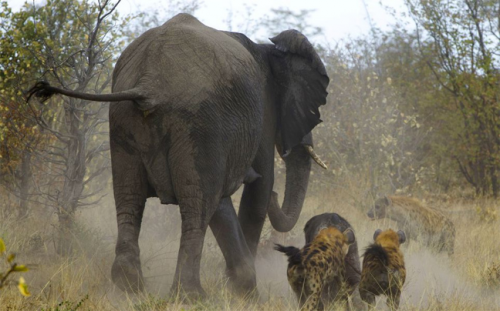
(412, 108)
(469, 280)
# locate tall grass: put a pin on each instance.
(469, 280)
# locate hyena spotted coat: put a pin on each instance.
(332, 291)
(419, 221)
(383, 270)
(319, 262)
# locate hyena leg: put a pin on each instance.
(313, 287)
(368, 298)
(393, 300)
(313, 302)
(346, 301)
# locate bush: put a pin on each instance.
(13, 268)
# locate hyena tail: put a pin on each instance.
(292, 252)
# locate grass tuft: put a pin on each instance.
(468, 280)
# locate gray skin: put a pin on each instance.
(196, 112)
(352, 263)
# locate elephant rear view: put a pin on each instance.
(195, 113)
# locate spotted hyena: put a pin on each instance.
(419, 221)
(383, 270)
(318, 263)
(332, 291)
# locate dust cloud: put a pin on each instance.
(434, 281)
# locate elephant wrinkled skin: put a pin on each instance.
(196, 112)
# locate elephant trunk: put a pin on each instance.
(298, 167)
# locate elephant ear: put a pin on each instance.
(303, 80)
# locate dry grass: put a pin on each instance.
(470, 280)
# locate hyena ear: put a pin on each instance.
(402, 236)
(349, 235)
(377, 232)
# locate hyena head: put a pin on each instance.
(332, 234)
(389, 235)
(380, 209)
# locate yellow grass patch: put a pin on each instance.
(469, 280)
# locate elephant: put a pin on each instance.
(352, 263)
(196, 113)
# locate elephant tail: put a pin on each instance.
(44, 91)
(292, 252)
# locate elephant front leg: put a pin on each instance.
(253, 211)
(239, 260)
(255, 199)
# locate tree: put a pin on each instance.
(464, 36)
(146, 19)
(369, 133)
(399, 58)
(270, 25)
(73, 44)
(20, 134)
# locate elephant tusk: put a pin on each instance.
(315, 157)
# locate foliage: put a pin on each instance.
(459, 41)
(20, 135)
(414, 110)
(71, 44)
(367, 130)
(13, 268)
(146, 19)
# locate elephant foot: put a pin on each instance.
(126, 273)
(189, 293)
(242, 281)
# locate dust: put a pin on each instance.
(434, 281)
(271, 268)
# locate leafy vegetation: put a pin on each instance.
(61, 146)
(13, 267)
(417, 111)
(412, 109)
(460, 40)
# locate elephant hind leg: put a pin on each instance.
(130, 189)
(195, 214)
(239, 260)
